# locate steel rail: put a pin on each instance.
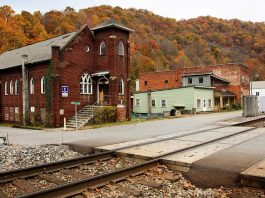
(244, 123)
(38, 169)
(8, 176)
(73, 188)
(76, 187)
(11, 175)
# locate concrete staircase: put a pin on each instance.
(84, 116)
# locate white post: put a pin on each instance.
(75, 117)
(64, 124)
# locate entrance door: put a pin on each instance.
(103, 91)
(204, 105)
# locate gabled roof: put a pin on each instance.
(220, 79)
(37, 52)
(112, 23)
(258, 84)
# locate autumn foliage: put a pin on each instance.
(158, 43)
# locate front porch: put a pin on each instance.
(223, 99)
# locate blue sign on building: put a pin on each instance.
(64, 91)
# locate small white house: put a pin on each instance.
(258, 88)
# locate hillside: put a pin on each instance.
(158, 43)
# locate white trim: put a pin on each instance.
(11, 87)
(121, 50)
(42, 85)
(86, 84)
(162, 103)
(121, 87)
(31, 86)
(6, 88)
(102, 44)
(16, 87)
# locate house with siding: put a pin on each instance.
(198, 98)
(231, 81)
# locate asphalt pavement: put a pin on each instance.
(115, 134)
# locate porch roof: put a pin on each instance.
(218, 93)
(103, 73)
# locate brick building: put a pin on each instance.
(231, 81)
(90, 66)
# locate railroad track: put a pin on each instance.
(48, 178)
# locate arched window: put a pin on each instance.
(121, 48)
(121, 87)
(42, 85)
(6, 88)
(86, 86)
(11, 88)
(31, 86)
(16, 87)
(102, 48)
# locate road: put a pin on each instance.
(114, 134)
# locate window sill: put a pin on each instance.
(86, 93)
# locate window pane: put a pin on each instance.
(198, 103)
(153, 103)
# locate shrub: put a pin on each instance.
(105, 114)
(236, 106)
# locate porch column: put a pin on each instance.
(221, 102)
(229, 102)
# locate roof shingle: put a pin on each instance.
(36, 52)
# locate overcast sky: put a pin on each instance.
(247, 10)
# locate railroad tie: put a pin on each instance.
(74, 174)
(25, 185)
(130, 192)
(52, 179)
(170, 177)
(150, 183)
(3, 195)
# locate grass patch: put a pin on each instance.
(95, 126)
(6, 124)
(28, 127)
(133, 121)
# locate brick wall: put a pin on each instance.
(69, 65)
(231, 72)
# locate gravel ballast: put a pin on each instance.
(17, 156)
